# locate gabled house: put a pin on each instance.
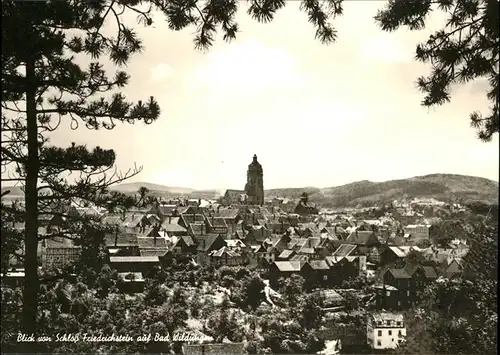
(171, 226)
(216, 225)
(152, 246)
(60, 252)
(367, 243)
(287, 268)
(120, 243)
(209, 243)
(185, 219)
(454, 269)
(225, 257)
(322, 273)
(232, 218)
(183, 245)
(285, 255)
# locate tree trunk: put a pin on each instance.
(31, 286)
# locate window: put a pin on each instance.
(393, 340)
(379, 343)
(390, 333)
(325, 277)
(400, 333)
(388, 293)
(379, 333)
(399, 324)
(408, 293)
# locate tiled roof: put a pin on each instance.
(381, 317)
(150, 242)
(228, 213)
(122, 240)
(286, 254)
(173, 228)
(289, 266)
(153, 252)
(60, 242)
(319, 265)
(306, 251)
(299, 258)
(344, 250)
(399, 273)
(224, 250)
(112, 219)
(217, 221)
(360, 237)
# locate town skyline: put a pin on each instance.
(316, 115)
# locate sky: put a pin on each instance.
(315, 115)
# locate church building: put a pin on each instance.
(254, 188)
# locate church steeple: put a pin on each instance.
(254, 187)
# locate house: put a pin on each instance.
(216, 225)
(342, 269)
(418, 232)
(197, 229)
(183, 245)
(225, 257)
(367, 244)
(152, 246)
(186, 219)
(332, 298)
(402, 287)
(392, 254)
(321, 274)
(233, 197)
(385, 330)
(172, 227)
(141, 264)
(287, 268)
(131, 282)
(232, 218)
(396, 290)
(286, 254)
(454, 269)
(120, 243)
(60, 252)
(209, 243)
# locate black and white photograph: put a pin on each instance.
(209, 177)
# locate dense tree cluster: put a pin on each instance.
(459, 316)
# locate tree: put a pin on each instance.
(460, 315)
(311, 311)
(143, 192)
(464, 50)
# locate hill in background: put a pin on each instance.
(444, 187)
(165, 191)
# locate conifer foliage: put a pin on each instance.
(465, 49)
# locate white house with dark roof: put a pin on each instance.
(385, 330)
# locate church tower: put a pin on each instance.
(254, 188)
